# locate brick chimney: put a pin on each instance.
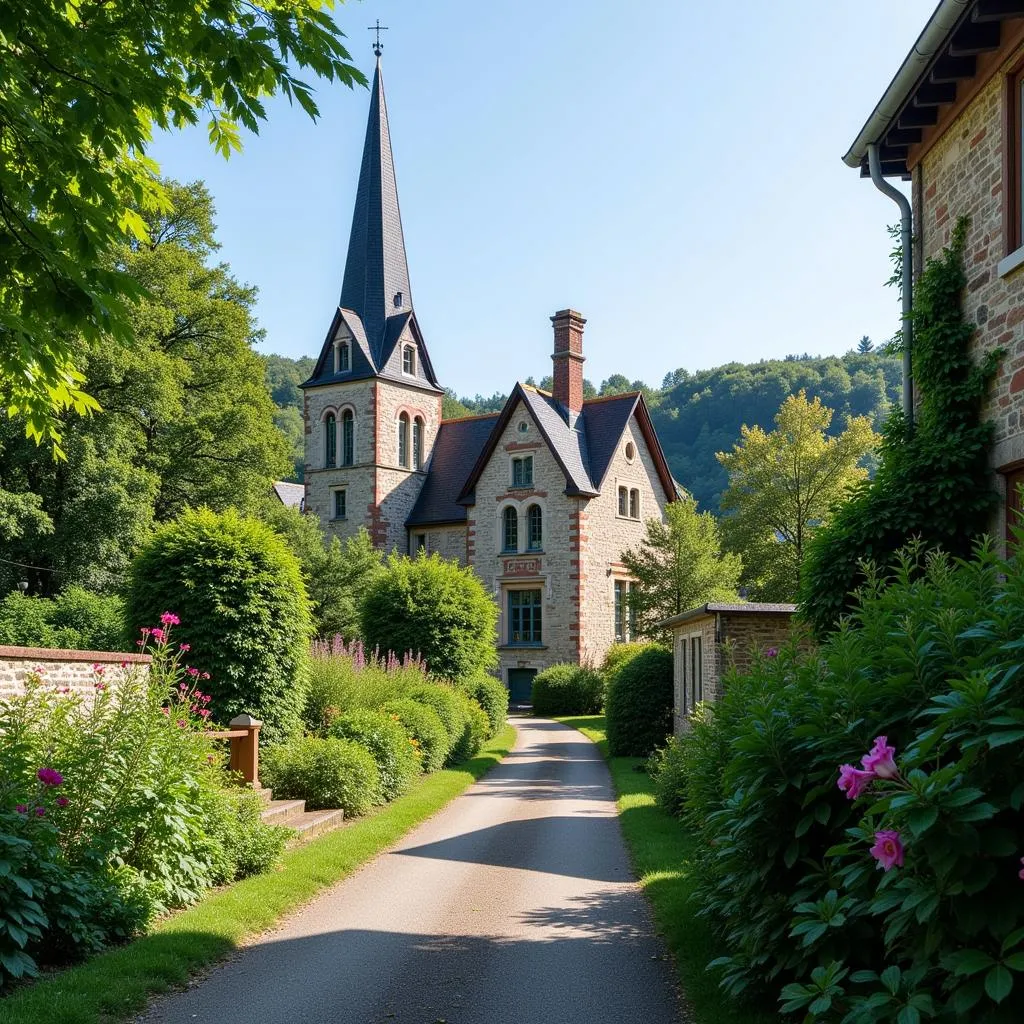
(568, 360)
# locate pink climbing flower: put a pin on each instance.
(62, 801)
(852, 781)
(204, 712)
(184, 648)
(170, 619)
(880, 759)
(22, 809)
(49, 776)
(158, 635)
(888, 850)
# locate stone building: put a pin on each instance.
(713, 637)
(951, 122)
(540, 499)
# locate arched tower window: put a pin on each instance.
(509, 530)
(348, 438)
(417, 443)
(403, 440)
(330, 440)
(534, 528)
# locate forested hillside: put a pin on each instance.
(696, 414)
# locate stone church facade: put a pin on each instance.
(540, 499)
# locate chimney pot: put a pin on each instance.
(568, 360)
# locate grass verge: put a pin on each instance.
(661, 850)
(113, 986)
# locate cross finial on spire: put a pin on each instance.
(378, 28)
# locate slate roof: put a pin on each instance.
(457, 446)
(290, 494)
(606, 419)
(747, 608)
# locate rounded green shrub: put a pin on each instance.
(326, 773)
(434, 608)
(474, 732)
(424, 725)
(385, 737)
(567, 689)
(445, 701)
(491, 695)
(668, 767)
(618, 655)
(639, 705)
(239, 593)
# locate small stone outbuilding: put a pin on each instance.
(709, 638)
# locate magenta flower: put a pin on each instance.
(62, 801)
(98, 669)
(183, 686)
(40, 812)
(1020, 874)
(140, 643)
(879, 760)
(100, 686)
(158, 635)
(166, 711)
(204, 713)
(181, 723)
(170, 619)
(193, 672)
(184, 648)
(22, 809)
(852, 781)
(124, 664)
(145, 631)
(49, 776)
(205, 675)
(888, 850)
(206, 698)
(772, 652)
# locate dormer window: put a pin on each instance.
(522, 471)
(409, 360)
(342, 357)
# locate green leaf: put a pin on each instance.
(998, 983)
(921, 819)
(890, 978)
(967, 961)
(1001, 739)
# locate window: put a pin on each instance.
(522, 471)
(631, 614)
(1014, 481)
(342, 357)
(623, 501)
(634, 504)
(403, 440)
(524, 617)
(417, 543)
(534, 528)
(330, 440)
(684, 705)
(340, 504)
(1014, 158)
(408, 359)
(630, 451)
(621, 601)
(417, 443)
(696, 672)
(509, 530)
(348, 437)
(524, 427)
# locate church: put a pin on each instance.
(540, 499)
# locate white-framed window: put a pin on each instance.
(623, 501)
(625, 610)
(691, 664)
(409, 359)
(522, 471)
(342, 357)
(340, 509)
(634, 503)
(348, 437)
(403, 440)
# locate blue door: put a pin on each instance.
(520, 685)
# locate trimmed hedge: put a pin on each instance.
(424, 725)
(567, 689)
(639, 705)
(492, 696)
(383, 735)
(474, 732)
(325, 773)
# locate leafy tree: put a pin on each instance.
(679, 565)
(85, 86)
(336, 574)
(784, 485)
(933, 484)
(452, 408)
(434, 608)
(243, 607)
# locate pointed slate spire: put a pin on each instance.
(376, 283)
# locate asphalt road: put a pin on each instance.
(513, 905)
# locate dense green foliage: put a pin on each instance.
(475, 732)
(395, 752)
(783, 486)
(465, 722)
(491, 695)
(283, 379)
(85, 860)
(678, 565)
(326, 773)
(930, 659)
(75, 619)
(638, 706)
(933, 484)
(85, 90)
(435, 609)
(239, 593)
(567, 690)
(424, 725)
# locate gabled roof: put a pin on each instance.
(290, 494)
(361, 363)
(458, 444)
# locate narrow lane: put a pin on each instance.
(513, 905)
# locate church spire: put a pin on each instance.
(376, 282)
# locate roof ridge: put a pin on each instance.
(471, 416)
(612, 398)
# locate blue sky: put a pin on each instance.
(669, 168)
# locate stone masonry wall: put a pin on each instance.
(963, 174)
(72, 669)
(745, 636)
(608, 534)
(447, 541)
(703, 627)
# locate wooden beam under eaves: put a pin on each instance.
(918, 117)
(903, 137)
(975, 37)
(952, 69)
(997, 10)
(929, 95)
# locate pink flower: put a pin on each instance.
(100, 686)
(158, 635)
(182, 686)
(22, 809)
(888, 850)
(772, 652)
(204, 713)
(145, 631)
(166, 711)
(39, 670)
(181, 723)
(852, 781)
(98, 669)
(170, 619)
(140, 643)
(206, 698)
(193, 672)
(62, 801)
(64, 689)
(124, 664)
(40, 812)
(205, 675)
(879, 761)
(1020, 874)
(184, 648)
(49, 776)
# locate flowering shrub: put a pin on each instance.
(884, 889)
(395, 752)
(425, 726)
(113, 809)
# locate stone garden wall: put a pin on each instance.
(73, 669)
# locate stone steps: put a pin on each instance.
(293, 814)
